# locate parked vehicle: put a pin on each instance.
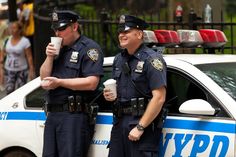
(201, 99)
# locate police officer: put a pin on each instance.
(140, 73)
(71, 81)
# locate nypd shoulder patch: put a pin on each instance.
(93, 54)
(157, 64)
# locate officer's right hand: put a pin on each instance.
(50, 50)
(108, 95)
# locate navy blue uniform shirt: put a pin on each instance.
(147, 70)
(84, 58)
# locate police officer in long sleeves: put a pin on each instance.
(71, 80)
(140, 73)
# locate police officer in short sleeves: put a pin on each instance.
(71, 80)
(140, 73)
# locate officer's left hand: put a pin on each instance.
(135, 134)
(50, 83)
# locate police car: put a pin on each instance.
(201, 99)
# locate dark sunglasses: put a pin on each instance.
(61, 28)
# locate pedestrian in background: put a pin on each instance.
(25, 13)
(18, 63)
(140, 73)
(71, 80)
(4, 34)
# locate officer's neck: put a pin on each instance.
(75, 38)
(133, 49)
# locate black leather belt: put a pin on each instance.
(57, 107)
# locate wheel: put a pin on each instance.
(18, 153)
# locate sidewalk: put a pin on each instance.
(2, 94)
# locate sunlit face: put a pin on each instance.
(130, 38)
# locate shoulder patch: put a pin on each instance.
(157, 64)
(93, 54)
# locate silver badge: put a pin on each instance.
(74, 57)
(122, 19)
(139, 67)
(93, 54)
(54, 16)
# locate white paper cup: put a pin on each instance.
(56, 41)
(111, 84)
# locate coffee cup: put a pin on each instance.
(111, 84)
(56, 41)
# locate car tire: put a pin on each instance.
(19, 153)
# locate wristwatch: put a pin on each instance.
(140, 127)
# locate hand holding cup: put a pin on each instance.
(110, 84)
(56, 41)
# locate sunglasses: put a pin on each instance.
(61, 28)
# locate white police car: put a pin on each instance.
(201, 98)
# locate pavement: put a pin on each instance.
(2, 94)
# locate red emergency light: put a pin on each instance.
(167, 38)
(213, 38)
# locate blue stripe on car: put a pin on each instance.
(107, 119)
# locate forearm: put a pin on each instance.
(46, 67)
(87, 83)
(154, 107)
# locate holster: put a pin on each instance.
(138, 106)
(161, 117)
(92, 112)
(45, 108)
(75, 103)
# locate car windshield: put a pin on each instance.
(224, 74)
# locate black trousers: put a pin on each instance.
(121, 146)
(67, 135)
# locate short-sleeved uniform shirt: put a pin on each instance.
(147, 70)
(84, 58)
(16, 58)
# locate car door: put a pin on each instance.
(192, 134)
(34, 101)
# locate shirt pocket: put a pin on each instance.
(138, 77)
(73, 70)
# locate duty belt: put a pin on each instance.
(57, 107)
(135, 107)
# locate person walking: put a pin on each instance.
(71, 80)
(140, 73)
(18, 63)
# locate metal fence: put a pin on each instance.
(103, 30)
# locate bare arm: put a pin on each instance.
(85, 83)
(46, 67)
(29, 58)
(154, 106)
(153, 109)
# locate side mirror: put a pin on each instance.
(197, 107)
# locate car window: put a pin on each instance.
(35, 99)
(181, 88)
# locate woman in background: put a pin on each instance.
(19, 63)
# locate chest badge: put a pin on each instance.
(93, 54)
(139, 67)
(74, 57)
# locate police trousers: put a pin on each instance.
(67, 135)
(121, 146)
